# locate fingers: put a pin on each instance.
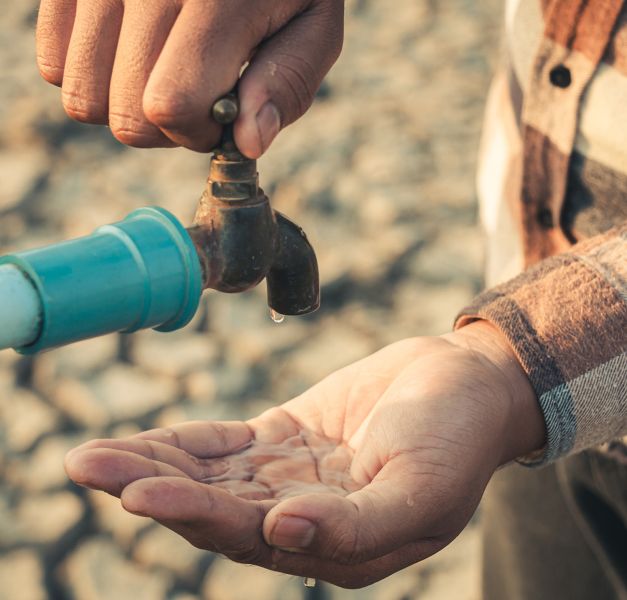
(169, 68)
(163, 453)
(112, 470)
(54, 28)
(275, 90)
(203, 439)
(213, 519)
(143, 35)
(206, 516)
(200, 62)
(89, 60)
(285, 73)
(367, 524)
(187, 450)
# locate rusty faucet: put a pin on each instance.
(241, 240)
(148, 271)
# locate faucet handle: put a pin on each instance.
(225, 112)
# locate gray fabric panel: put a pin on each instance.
(561, 423)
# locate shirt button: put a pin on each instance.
(545, 218)
(560, 76)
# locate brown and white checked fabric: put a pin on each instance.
(553, 189)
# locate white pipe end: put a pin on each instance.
(20, 309)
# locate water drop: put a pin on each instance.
(309, 582)
(276, 317)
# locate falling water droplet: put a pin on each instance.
(309, 582)
(276, 317)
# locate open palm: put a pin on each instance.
(378, 466)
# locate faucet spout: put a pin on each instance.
(293, 281)
(240, 240)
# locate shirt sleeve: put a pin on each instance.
(566, 319)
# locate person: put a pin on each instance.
(535, 371)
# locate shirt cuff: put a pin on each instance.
(566, 320)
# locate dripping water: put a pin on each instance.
(278, 318)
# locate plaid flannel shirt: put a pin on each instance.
(553, 190)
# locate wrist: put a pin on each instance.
(525, 431)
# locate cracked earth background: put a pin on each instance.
(380, 173)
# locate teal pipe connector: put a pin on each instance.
(143, 272)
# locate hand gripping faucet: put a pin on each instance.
(148, 271)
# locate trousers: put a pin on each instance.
(558, 531)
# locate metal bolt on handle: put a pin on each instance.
(226, 110)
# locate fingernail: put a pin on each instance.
(268, 124)
(292, 533)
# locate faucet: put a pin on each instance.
(148, 271)
(241, 240)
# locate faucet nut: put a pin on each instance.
(234, 190)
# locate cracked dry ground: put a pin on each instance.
(380, 173)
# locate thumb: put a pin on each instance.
(285, 73)
(368, 524)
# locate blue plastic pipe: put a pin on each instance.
(140, 273)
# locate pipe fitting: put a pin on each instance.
(140, 273)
